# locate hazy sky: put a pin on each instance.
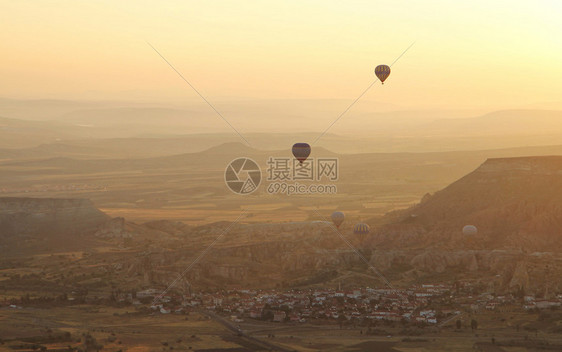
(468, 54)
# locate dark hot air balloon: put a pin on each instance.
(382, 72)
(361, 229)
(337, 218)
(301, 151)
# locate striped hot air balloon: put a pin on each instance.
(361, 229)
(382, 72)
(301, 151)
(337, 218)
(470, 230)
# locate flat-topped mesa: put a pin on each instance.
(529, 164)
(24, 204)
(514, 203)
(38, 216)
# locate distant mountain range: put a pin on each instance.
(505, 122)
(126, 129)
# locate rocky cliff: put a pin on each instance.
(47, 216)
(515, 203)
(310, 253)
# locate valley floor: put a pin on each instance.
(121, 329)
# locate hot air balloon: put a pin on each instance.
(301, 151)
(382, 72)
(469, 230)
(361, 229)
(337, 218)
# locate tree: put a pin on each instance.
(267, 315)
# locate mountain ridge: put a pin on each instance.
(514, 202)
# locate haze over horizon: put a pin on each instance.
(470, 58)
(232, 176)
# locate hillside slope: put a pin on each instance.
(516, 203)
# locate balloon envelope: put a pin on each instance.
(301, 151)
(469, 230)
(382, 72)
(337, 218)
(361, 229)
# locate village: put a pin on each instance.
(428, 304)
